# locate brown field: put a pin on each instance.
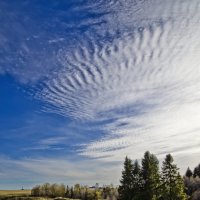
(15, 192)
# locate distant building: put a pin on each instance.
(96, 186)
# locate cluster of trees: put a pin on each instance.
(147, 182)
(49, 190)
(76, 192)
(195, 173)
(143, 181)
(192, 183)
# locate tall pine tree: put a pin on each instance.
(172, 183)
(137, 181)
(151, 177)
(125, 189)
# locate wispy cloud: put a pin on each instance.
(146, 82)
(132, 74)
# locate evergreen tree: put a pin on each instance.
(72, 192)
(67, 192)
(151, 177)
(125, 188)
(197, 171)
(137, 181)
(172, 183)
(189, 173)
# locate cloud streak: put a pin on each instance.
(57, 170)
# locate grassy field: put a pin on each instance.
(15, 192)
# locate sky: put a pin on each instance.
(84, 83)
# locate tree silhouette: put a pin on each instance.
(189, 173)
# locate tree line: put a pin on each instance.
(75, 192)
(148, 182)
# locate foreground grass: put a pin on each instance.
(21, 195)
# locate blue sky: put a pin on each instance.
(85, 83)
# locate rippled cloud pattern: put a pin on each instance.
(129, 69)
